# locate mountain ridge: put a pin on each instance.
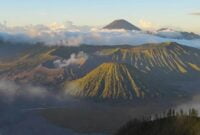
(143, 66)
(170, 56)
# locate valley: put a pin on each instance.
(97, 89)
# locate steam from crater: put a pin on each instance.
(75, 59)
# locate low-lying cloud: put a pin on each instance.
(194, 100)
(10, 91)
(193, 103)
(75, 59)
(69, 34)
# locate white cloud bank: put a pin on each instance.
(71, 35)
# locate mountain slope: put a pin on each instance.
(103, 75)
(167, 57)
(109, 80)
(121, 24)
(114, 81)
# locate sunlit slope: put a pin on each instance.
(113, 81)
(35, 63)
(109, 80)
(166, 56)
(29, 58)
(25, 66)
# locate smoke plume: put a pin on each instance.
(75, 59)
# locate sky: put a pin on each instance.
(148, 14)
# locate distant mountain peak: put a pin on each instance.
(166, 29)
(121, 24)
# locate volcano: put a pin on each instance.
(121, 24)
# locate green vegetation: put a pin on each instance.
(169, 123)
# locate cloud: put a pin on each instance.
(146, 24)
(193, 96)
(75, 59)
(53, 34)
(195, 13)
(10, 91)
(68, 34)
(193, 103)
(169, 33)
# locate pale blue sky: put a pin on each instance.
(162, 13)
